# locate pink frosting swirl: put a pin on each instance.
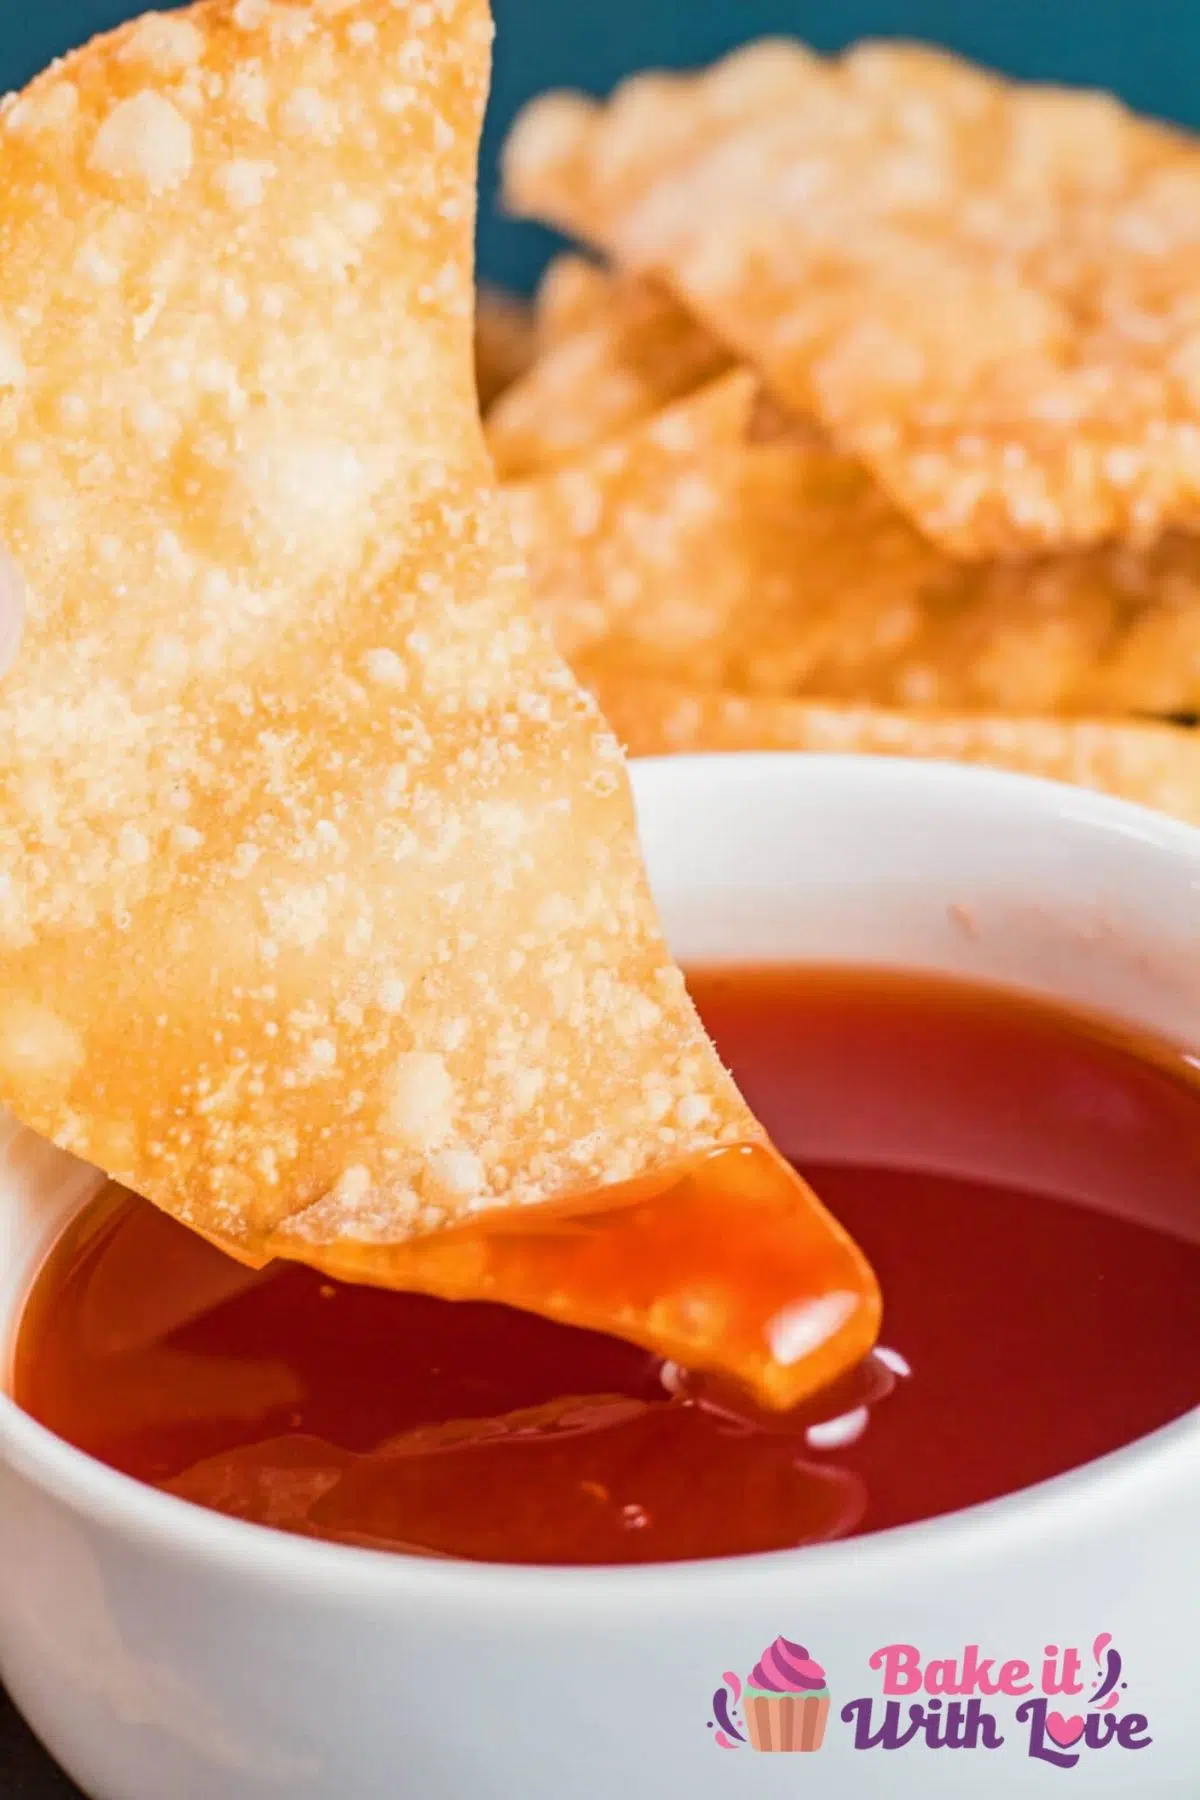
(786, 1668)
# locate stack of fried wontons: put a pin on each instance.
(871, 418)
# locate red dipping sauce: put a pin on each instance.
(1025, 1181)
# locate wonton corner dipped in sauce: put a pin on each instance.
(326, 926)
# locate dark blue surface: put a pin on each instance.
(26, 1772)
(1148, 50)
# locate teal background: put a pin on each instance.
(1147, 50)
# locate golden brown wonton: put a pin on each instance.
(714, 546)
(982, 288)
(322, 917)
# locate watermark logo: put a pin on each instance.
(783, 1704)
(1045, 1707)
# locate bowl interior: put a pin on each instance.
(956, 871)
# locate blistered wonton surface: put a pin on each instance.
(322, 912)
(984, 289)
(642, 352)
(720, 544)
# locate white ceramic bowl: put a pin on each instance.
(165, 1653)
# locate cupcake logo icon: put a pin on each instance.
(783, 1704)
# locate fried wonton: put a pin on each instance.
(572, 293)
(578, 163)
(716, 546)
(983, 289)
(322, 908)
(1154, 765)
(323, 921)
(641, 353)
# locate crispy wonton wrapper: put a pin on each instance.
(573, 293)
(580, 164)
(984, 289)
(641, 353)
(1155, 765)
(322, 920)
(504, 342)
(720, 545)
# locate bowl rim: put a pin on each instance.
(195, 1534)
